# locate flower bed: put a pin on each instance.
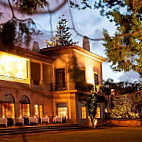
(126, 122)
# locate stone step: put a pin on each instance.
(35, 129)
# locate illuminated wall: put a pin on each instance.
(13, 68)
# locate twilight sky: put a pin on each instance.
(87, 22)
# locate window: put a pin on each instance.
(36, 110)
(98, 112)
(8, 110)
(82, 76)
(24, 106)
(13, 68)
(83, 112)
(60, 79)
(62, 110)
(39, 110)
(25, 110)
(35, 73)
(96, 79)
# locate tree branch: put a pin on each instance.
(38, 12)
(13, 16)
(74, 28)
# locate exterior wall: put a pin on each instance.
(70, 99)
(73, 107)
(37, 94)
(35, 97)
(87, 63)
(41, 94)
(91, 66)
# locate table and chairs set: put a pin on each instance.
(30, 120)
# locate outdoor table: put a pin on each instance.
(57, 119)
(19, 120)
(3, 121)
(33, 120)
(44, 120)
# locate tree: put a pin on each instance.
(18, 31)
(93, 99)
(124, 49)
(125, 107)
(63, 36)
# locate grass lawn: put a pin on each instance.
(114, 134)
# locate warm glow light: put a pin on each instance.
(13, 68)
(95, 122)
(83, 110)
(62, 112)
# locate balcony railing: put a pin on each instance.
(80, 86)
(58, 87)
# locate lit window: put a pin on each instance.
(62, 112)
(83, 111)
(98, 112)
(36, 110)
(25, 110)
(13, 68)
(39, 110)
(8, 110)
(24, 106)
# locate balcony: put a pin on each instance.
(58, 87)
(80, 86)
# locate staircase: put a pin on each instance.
(36, 129)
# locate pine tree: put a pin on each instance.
(62, 37)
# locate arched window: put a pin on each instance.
(24, 100)
(24, 106)
(8, 106)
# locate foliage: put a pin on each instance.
(126, 107)
(93, 99)
(29, 6)
(124, 49)
(74, 69)
(92, 104)
(120, 87)
(14, 33)
(62, 37)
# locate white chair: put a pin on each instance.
(3, 121)
(45, 120)
(57, 119)
(19, 120)
(33, 120)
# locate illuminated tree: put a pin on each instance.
(124, 107)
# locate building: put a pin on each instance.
(39, 84)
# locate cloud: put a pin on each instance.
(130, 76)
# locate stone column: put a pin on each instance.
(0, 109)
(73, 107)
(17, 109)
(41, 74)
